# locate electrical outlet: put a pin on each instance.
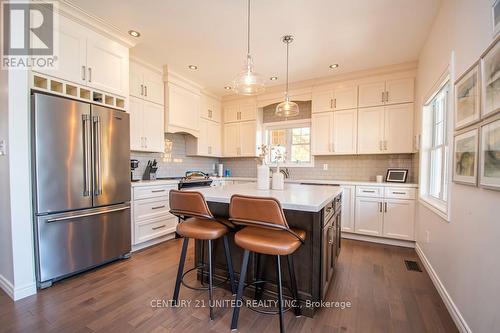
(3, 148)
(325, 166)
(427, 236)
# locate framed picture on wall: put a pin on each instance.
(490, 77)
(495, 15)
(465, 157)
(467, 98)
(490, 155)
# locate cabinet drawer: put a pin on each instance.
(400, 193)
(370, 191)
(151, 208)
(154, 191)
(155, 228)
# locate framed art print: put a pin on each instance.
(490, 155)
(465, 157)
(490, 87)
(467, 98)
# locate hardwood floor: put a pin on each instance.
(385, 297)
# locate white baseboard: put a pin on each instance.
(379, 240)
(7, 286)
(17, 293)
(448, 301)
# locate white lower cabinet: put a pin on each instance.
(151, 218)
(369, 218)
(398, 219)
(387, 213)
(348, 205)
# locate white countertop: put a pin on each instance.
(290, 181)
(294, 196)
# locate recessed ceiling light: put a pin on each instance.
(193, 67)
(273, 78)
(228, 88)
(333, 66)
(134, 33)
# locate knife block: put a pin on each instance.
(149, 173)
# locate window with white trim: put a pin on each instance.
(291, 139)
(435, 150)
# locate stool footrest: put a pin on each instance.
(199, 288)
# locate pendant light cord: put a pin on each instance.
(286, 92)
(248, 30)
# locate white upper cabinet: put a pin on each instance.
(210, 108)
(370, 130)
(107, 65)
(398, 128)
(393, 91)
(146, 126)
(183, 111)
(345, 128)
(240, 111)
(386, 129)
(321, 133)
(371, 94)
(89, 58)
(400, 91)
(208, 143)
(241, 139)
(342, 97)
(146, 83)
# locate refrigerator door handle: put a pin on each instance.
(97, 152)
(87, 157)
(72, 217)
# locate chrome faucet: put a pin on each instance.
(285, 172)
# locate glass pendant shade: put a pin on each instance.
(248, 82)
(287, 109)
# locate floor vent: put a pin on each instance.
(412, 265)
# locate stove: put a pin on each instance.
(194, 179)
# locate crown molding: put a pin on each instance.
(77, 14)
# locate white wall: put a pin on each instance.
(6, 267)
(465, 252)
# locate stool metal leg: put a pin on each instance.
(241, 284)
(280, 293)
(180, 270)
(229, 262)
(210, 282)
(293, 285)
(258, 274)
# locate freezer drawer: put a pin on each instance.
(71, 242)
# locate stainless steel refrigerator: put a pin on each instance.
(81, 186)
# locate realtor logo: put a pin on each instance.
(28, 38)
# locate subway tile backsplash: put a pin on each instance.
(351, 167)
(174, 162)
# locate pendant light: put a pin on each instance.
(248, 82)
(287, 108)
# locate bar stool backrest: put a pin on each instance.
(257, 211)
(186, 204)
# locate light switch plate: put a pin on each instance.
(3, 148)
(325, 166)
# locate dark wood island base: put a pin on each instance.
(314, 260)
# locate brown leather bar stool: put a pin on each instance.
(197, 222)
(268, 233)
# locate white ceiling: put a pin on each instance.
(357, 34)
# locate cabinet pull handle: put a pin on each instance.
(157, 191)
(83, 73)
(145, 90)
(383, 94)
(159, 227)
(385, 144)
(387, 96)
(398, 193)
(158, 207)
(145, 142)
(330, 239)
(334, 103)
(209, 113)
(331, 103)
(385, 207)
(142, 89)
(368, 191)
(90, 74)
(380, 207)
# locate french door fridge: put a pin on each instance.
(81, 185)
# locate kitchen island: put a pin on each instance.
(314, 209)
